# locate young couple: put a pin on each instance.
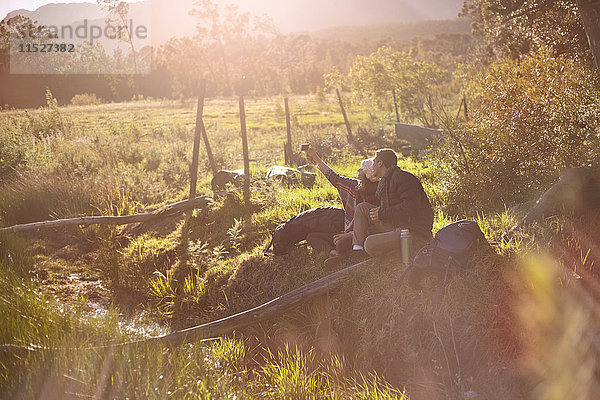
(383, 200)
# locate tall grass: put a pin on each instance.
(88, 164)
(211, 265)
(74, 366)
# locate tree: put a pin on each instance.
(418, 84)
(530, 119)
(516, 27)
(188, 61)
(120, 10)
(22, 31)
(231, 34)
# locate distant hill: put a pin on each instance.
(158, 17)
(164, 12)
(62, 14)
(170, 18)
(398, 31)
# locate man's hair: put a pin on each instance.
(388, 156)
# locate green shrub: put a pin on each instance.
(85, 99)
(47, 121)
(32, 198)
(12, 149)
(530, 120)
(416, 83)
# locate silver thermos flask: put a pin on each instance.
(405, 239)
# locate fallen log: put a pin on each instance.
(223, 326)
(166, 211)
(268, 310)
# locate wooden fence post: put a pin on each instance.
(200, 131)
(396, 105)
(286, 154)
(194, 167)
(289, 153)
(245, 150)
(211, 159)
(348, 128)
(462, 107)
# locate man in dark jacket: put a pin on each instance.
(403, 204)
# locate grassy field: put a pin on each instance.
(80, 287)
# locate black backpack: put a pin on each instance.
(452, 247)
(294, 230)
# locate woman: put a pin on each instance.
(365, 192)
(352, 191)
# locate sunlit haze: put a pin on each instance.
(290, 16)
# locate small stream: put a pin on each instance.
(139, 326)
(94, 297)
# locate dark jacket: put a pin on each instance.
(403, 202)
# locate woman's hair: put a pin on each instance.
(365, 191)
(368, 168)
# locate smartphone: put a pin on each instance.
(304, 146)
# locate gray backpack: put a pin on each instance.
(452, 247)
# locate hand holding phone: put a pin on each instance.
(374, 214)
